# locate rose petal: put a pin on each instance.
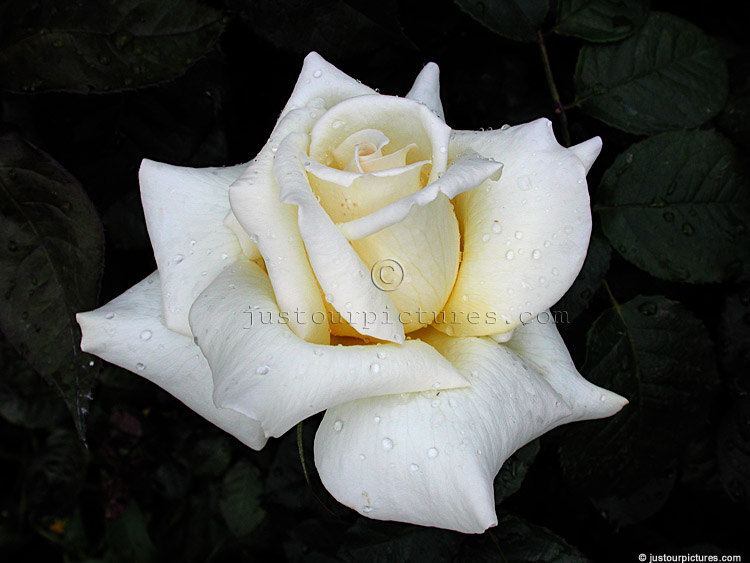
(539, 343)
(431, 458)
(402, 121)
(426, 89)
(249, 248)
(347, 195)
(185, 210)
(525, 236)
(129, 331)
(466, 172)
(416, 261)
(339, 270)
(255, 196)
(263, 370)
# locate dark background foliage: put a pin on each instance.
(97, 464)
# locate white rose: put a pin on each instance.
(259, 263)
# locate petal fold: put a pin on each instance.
(426, 89)
(525, 236)
(465, 173)
(129, 331)
(431, 458)
(264, 371)
(185, 210)
(340, 272)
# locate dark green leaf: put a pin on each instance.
(677, 206)
(101, 46)
(600, 20)
(51, 247)
(239, 501)
(518, 20)
(334, 27)
(667, 76)
(653, 352)
(522, 541)
(514, 470)
(128, 539)
(25, 399)
(370, 541)
(56, 475)
(210, 455)
(594, 268)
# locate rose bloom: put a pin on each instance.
(373, 263)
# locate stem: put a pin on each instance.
(301, 451)
(559, 107)
(612, 299)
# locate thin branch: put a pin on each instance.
(559, 107)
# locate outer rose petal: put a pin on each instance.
(540, 345)
(426, 89)
(263, 370)
(185, 210)
(129, 331)
(525, 236)
(430, 459)
(255, 196)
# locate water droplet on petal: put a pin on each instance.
(382, 355)
(140, 366)
(536, 255)
(375, 367)
(413, 468)
(338, 425)
(519, 235)
(178, 258)
(387, 444)
(262, 370)
(432, 453)
(146, 335)
(496, 227)
(109, 316)
(367, 508)
(318, 73)
(509, 255)
(377, 420)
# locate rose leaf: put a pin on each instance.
(102, 46)
(652, 351)
(676, 205)
(514, 19)
(600, 21)
(240, 498)
(667, 76)
(51, 246)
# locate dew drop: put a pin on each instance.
(146, 335)
(262, 370)
(375, 367)
(224, 256)
(602, 398)
(338, 425)
(464, 298)
(387, 443)
(382, 355)
(367, 508)
(555, 272)
(318, 352)
(362, 457)
(336, 123)
(496, 227)
(509, 255)
(443, 149)
(537, 254)
(140, 366)
(413, 468)
(432, 453)
(485, 238)
(109, 316)
(178, 258)
(524, 183)
(377, 420)
(519, 235)
(547, 244)
(318, 73)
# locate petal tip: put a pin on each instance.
(588, 151)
